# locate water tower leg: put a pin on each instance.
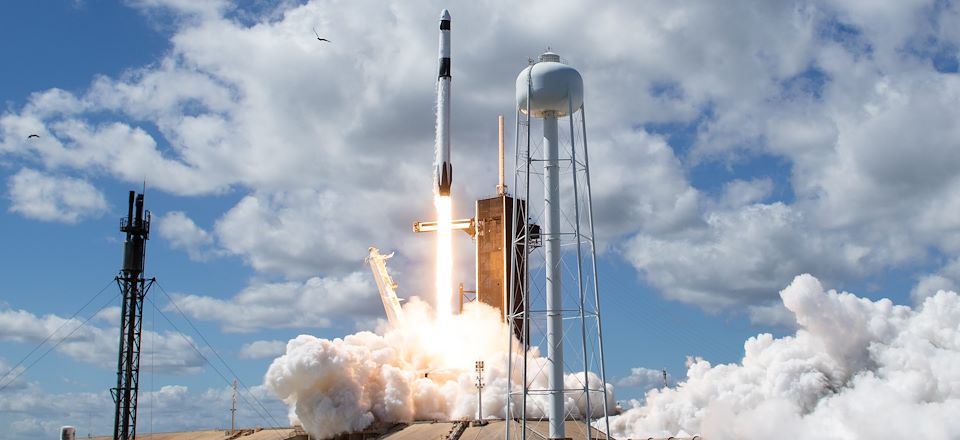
(551, 238)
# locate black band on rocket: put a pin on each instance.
(444, 68)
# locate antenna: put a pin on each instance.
(134, 288)
(665, 383)
(233, 409)
(501, 188)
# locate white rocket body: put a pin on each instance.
(444, 172)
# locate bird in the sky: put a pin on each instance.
(33, 136)
(318, 36)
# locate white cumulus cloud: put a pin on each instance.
(644, 378)
(262, 349)
(167, 351)
(315, 303)
(183, 233)
(54, 198)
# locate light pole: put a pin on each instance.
(479, 384)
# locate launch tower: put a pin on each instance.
(496, 228)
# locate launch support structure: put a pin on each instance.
(386, 285)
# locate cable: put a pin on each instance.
(217, 354)
(214, 367)
(205, 359)
(58, 342)
(55, 331)
(153, 371)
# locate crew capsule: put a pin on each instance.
(444, 44)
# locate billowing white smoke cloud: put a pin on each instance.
(855, 369)
(421, 370)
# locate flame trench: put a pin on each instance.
(444, 282)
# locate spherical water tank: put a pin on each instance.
(553, 86)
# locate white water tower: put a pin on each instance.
(561, 304)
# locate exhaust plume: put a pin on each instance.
(420, 370)
(444, 255)
(855, 369)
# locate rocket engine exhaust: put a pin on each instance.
(444, 268)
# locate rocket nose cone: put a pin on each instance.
(445, 15)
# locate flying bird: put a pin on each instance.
(318, 36)
(33, 136)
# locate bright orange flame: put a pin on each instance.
(444, 295)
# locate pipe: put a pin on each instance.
(551, 238)
(501, 188)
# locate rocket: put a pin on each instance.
(444, 173)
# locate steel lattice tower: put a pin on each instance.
(134, 288)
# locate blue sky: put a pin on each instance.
(734, 149)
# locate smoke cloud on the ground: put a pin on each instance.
(854, 369)
(420, 370)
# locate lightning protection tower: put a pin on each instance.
(134, 288)
(561, 303)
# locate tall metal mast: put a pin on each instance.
(134, 287)
(233, 410)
